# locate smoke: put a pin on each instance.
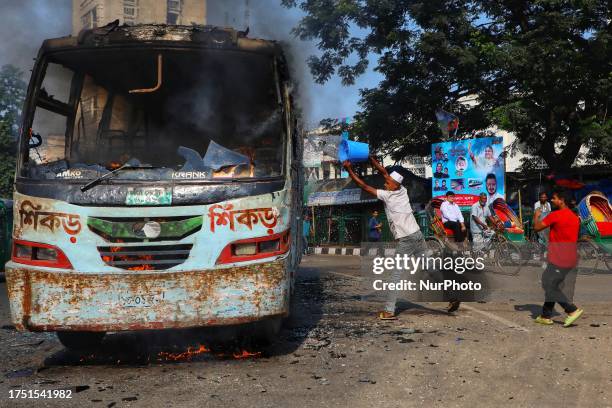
(269, 20)
(24, 24)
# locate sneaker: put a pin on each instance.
(544, 320)
(572, 317)
(384, 315)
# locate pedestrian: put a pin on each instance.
(545, 209)
(453, 219)
(479, 215)
(375, 228)
(562, 257)
(306, 231)
(402, 223)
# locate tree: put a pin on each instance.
(7, 160)
(12, 95)
(540, 69)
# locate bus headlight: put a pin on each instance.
(37, 254)
(255, 248)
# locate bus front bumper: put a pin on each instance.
(42, 299)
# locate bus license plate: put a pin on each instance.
(140, 300)
(149, 196)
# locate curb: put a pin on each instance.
(345, 251)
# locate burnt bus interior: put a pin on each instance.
(218, 113)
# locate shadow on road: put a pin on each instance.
(534, 309)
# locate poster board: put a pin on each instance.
(469, 167)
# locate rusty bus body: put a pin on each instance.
(158, 184)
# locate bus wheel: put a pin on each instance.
(265, 332)
(81, 340)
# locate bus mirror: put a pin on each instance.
(159, 79)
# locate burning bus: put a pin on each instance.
(158, 184)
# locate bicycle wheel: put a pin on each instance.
(434, 246)
(508, 258)
(590, 256)
(607, 258)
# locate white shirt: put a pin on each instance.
(399, 212)
(545, 208)
(450, 212)
(481, 213)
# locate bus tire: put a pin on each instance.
(80, 340)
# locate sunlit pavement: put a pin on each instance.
(333, 352)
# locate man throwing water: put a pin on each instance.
(402, 223)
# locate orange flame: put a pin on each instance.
(145, 267)
(194, 351)
(245, 354)
(186, 355)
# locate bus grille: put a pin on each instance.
(145, 258)
(123, 230)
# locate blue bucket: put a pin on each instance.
(353, 151)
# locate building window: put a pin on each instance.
(130, 11)
(90, 19)
(174, 11)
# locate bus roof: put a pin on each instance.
(199, 36)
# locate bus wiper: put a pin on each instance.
(107, 176)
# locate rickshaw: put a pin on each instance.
(595, 214)
(509, 221)
(505, 256)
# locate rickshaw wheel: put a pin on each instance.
(508, 259)
(435, 246)
(589, 256)
(80, 340)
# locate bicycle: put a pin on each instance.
(589, 255)
(506, 256)
(534, 248)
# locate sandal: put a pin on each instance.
(384, 315)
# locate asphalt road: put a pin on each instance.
(333, 352)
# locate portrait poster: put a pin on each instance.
(469, 167)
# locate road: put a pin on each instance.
(333, 352)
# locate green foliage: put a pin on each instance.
(7, 160)
(12, 95)
(538, 68)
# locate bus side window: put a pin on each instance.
(51, 115)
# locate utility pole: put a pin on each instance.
(247, 13)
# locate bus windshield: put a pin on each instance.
(171, 114)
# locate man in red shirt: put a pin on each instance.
(562, 256)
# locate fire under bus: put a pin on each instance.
(157, 186)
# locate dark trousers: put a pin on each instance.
(456, 227)
(553, 278)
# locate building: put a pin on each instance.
(97, 13)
